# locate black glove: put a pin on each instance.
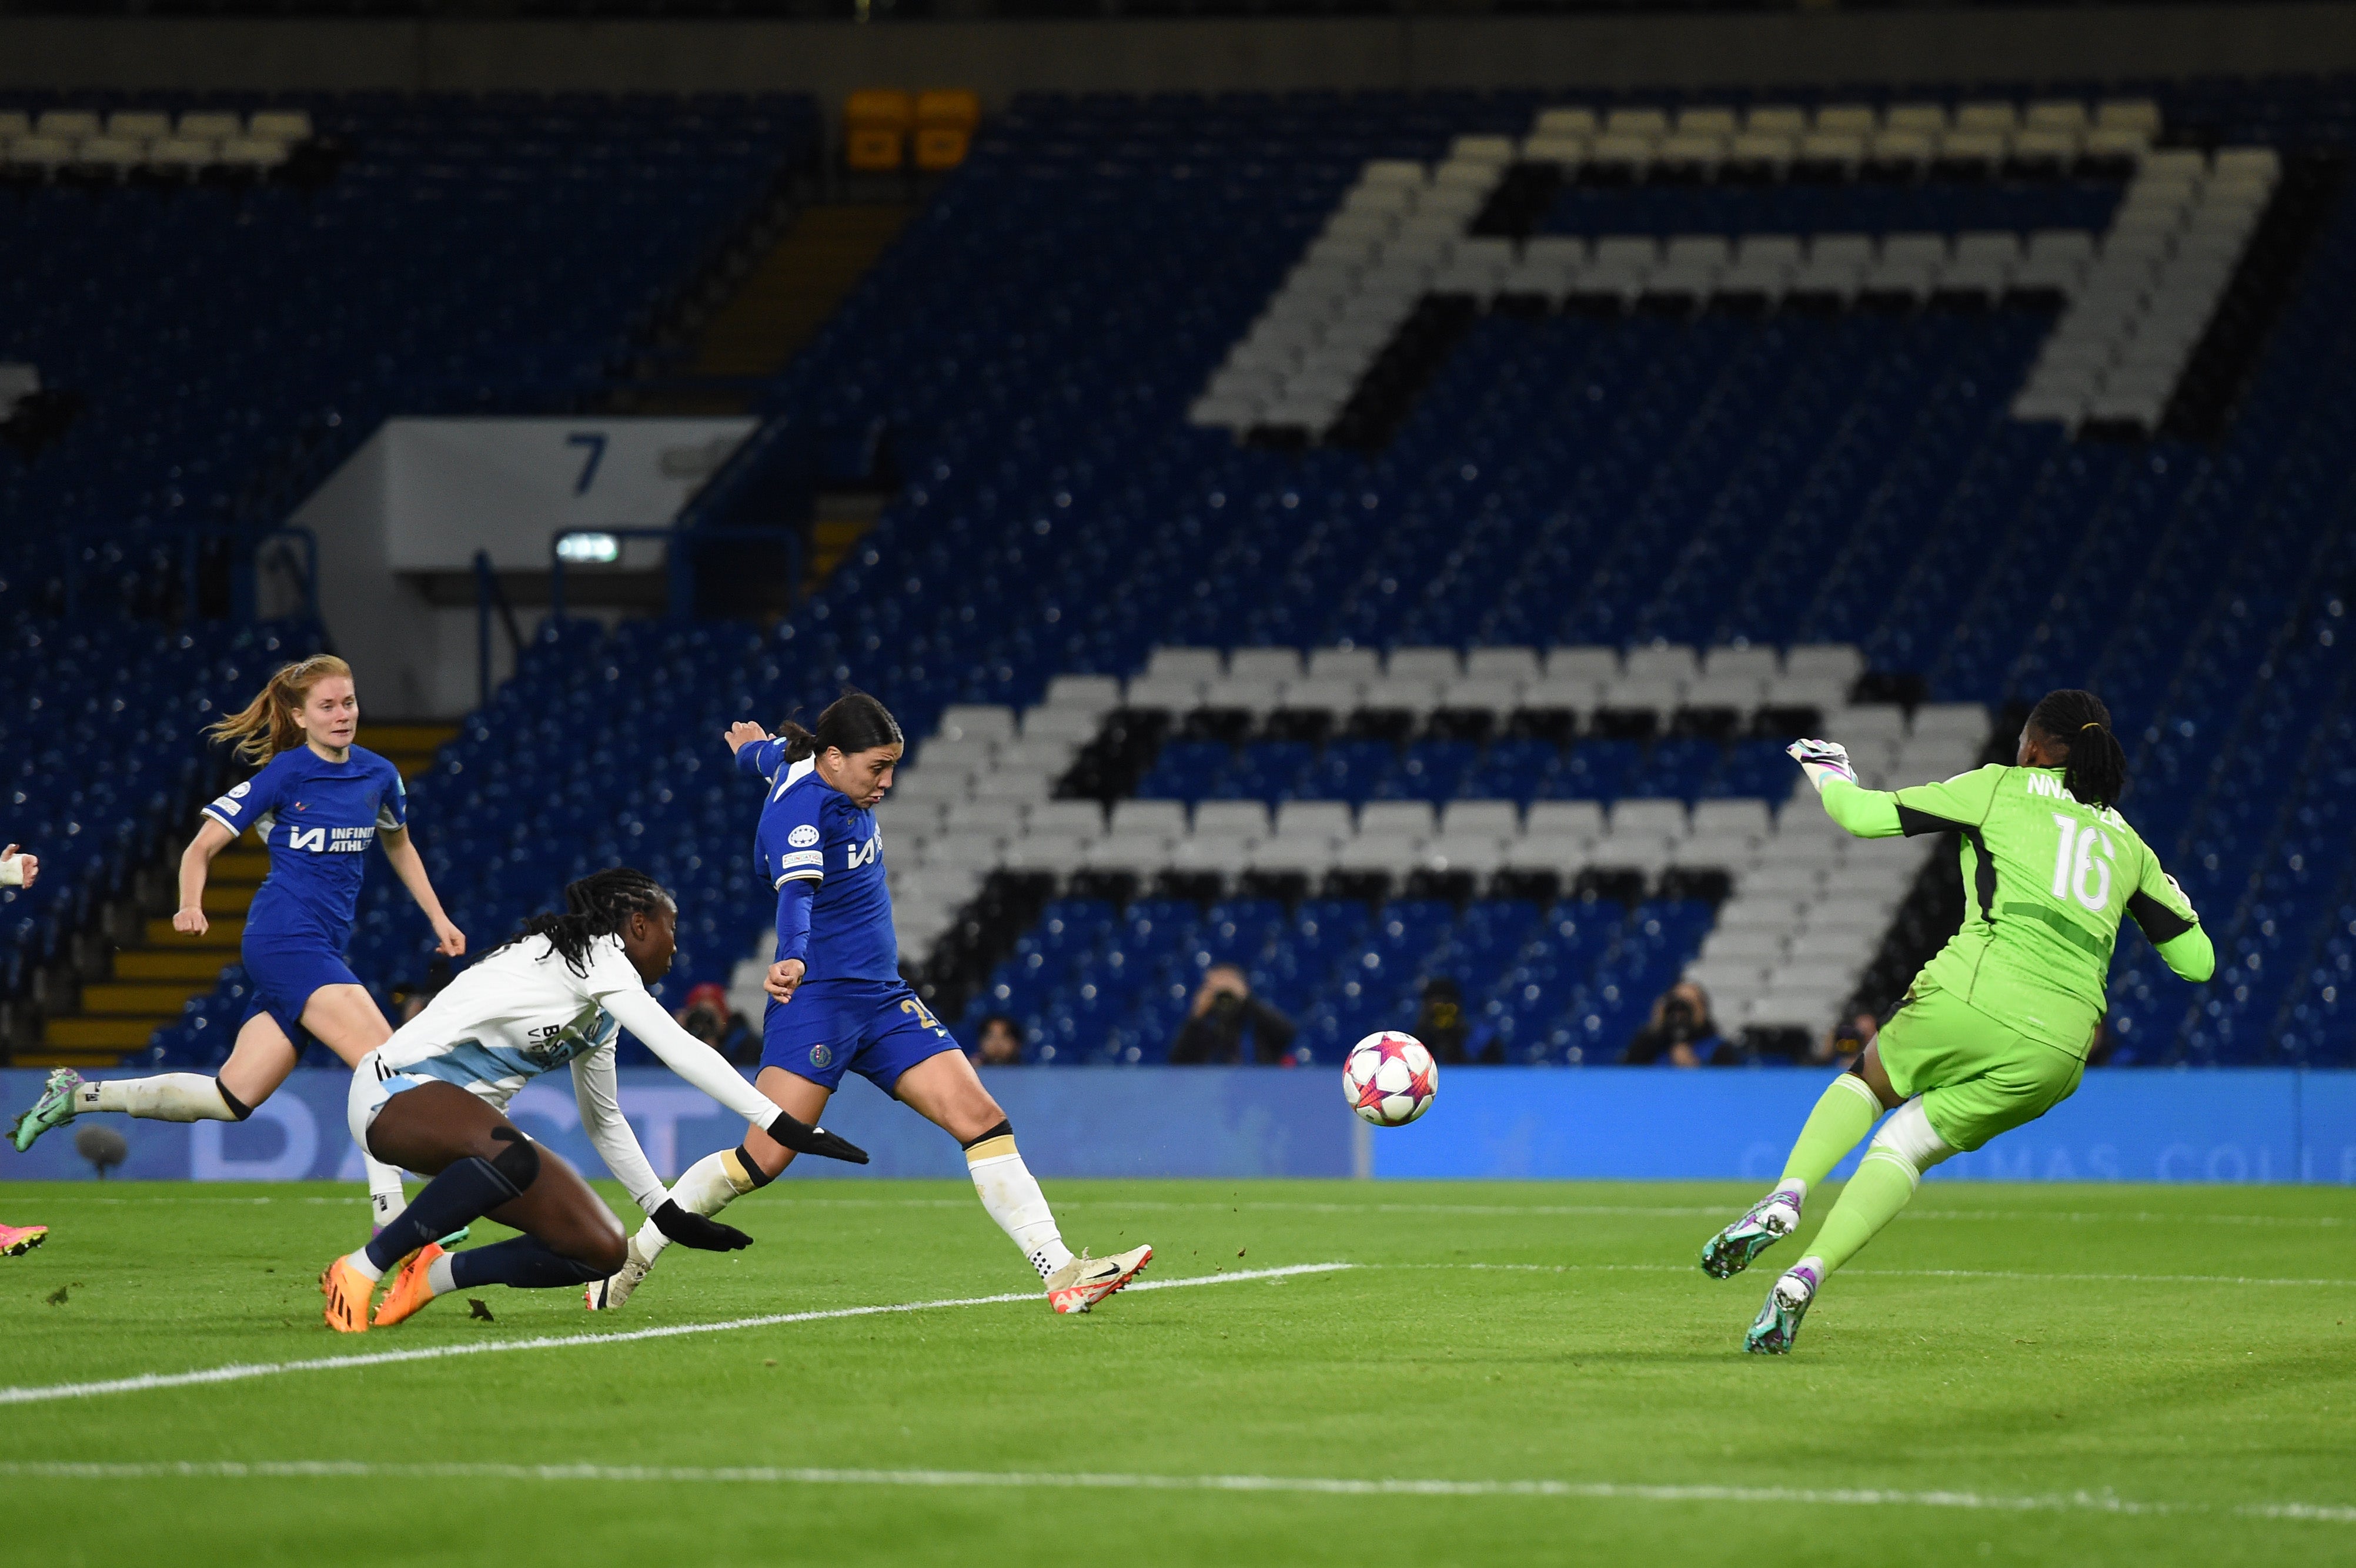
(802, 1138)
(692, 1229)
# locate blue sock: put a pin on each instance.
(461, 1195)
(525, 1263)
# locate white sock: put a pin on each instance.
(386, 1198)
(437, 1276)
(365, 1263)
(1798, 1187)
(167, 1097)
(705, 1188)
(1012, 1195)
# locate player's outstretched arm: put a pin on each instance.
(1867, 812)
(700, 1065)
(401, 850)
(598, 1090)
(196, 864)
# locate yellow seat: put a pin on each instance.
(874, 152)
(941, 147)
(876, 123)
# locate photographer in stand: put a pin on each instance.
(1681, 1032)
(1223, 1008)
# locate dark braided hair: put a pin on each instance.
(2095, 767)
(851, 722)
(599, 904)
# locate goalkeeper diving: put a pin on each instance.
(1994, 1032)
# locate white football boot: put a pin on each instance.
(1085, 1281)
(607, 1294)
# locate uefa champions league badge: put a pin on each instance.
(820, 1056)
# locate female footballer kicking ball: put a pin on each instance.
(837, 1002)
(318, 802)
(1994, 1032)
(433, 1098)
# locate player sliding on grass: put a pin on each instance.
(318, 803)
(837, 1002)
(1994, 1032)
(433, 1098)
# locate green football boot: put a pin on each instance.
(55, 1108)
(1770, 1220)
(1778, 1324)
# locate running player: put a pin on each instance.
(838, 1004)
(433, 1098)
(1994, 1032)
(318, 802)
(18, 871)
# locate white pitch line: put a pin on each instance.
(241, 1371)
(1086, 1480)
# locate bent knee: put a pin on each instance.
(609, 1254)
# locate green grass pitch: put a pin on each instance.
(2077, 1375)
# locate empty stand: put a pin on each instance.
(1496, 695)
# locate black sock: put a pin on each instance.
(461, 1195)
(525, 1263)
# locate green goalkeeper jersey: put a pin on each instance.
(2047, 878)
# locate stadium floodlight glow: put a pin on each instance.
(589, 549)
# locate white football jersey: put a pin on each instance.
(520, 1012)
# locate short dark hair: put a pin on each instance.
(996, 1021)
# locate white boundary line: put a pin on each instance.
(1604, 1491)
(242, 1372)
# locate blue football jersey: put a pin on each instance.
(810, 832)
(318, 819)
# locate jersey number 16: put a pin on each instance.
(2077, 872)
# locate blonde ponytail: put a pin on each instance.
(265, 726)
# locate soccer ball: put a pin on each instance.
(1390, 1079)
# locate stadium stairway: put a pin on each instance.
(157, 973)
(796, 287)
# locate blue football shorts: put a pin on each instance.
(284, 973)
(877, 1028)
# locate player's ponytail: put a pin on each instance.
(851, 722)
(2094, 769)
(599, 904)
(265, 726)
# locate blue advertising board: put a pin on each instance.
(1610, 1123)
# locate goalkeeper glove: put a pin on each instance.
(803, 1138)
(689, 1229)
(1822, 760)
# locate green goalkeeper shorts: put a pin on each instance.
(1978, 1076)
